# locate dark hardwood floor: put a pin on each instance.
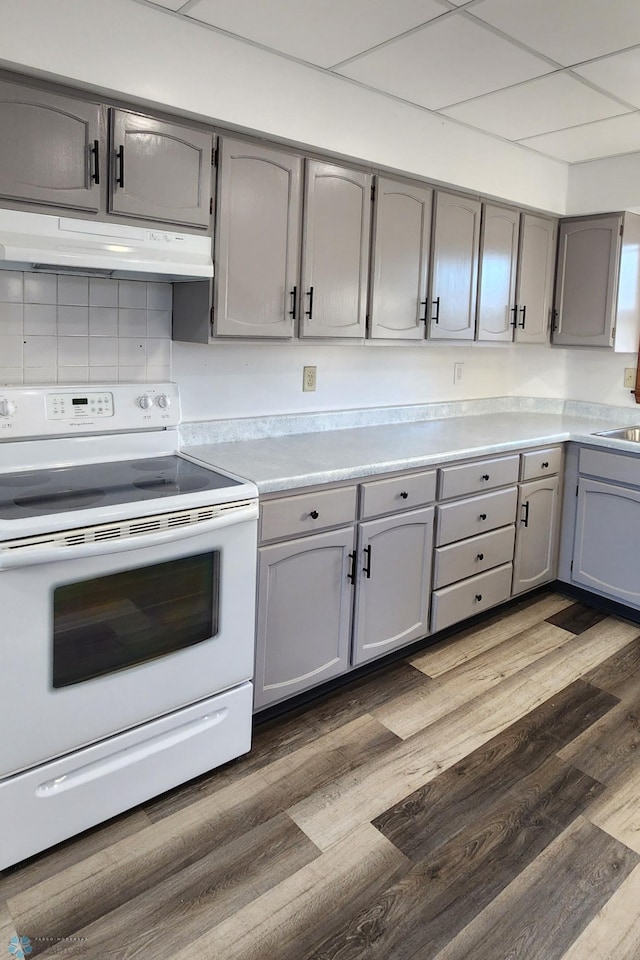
(479, 800)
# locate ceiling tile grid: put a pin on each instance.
(561, 77)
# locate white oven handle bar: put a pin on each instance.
(28, 556)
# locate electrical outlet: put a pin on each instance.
(630, 377)
(308, 379)
(457, 372)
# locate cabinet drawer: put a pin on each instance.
(540, 463)
(465, 599)
(397, 493)
(307, 512)
(473, 556)
(468, 518)
(479, 476)
(611, 466)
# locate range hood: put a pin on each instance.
(37, 241)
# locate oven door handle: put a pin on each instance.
(29, 556)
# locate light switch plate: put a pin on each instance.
(630, 377)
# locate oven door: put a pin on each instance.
(100, 636)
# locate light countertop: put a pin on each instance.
(305, 459)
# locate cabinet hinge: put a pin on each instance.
(621, 229)
(214, 156)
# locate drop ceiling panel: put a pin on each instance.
(618, 75)
(540, 106)
(449, 60)
(568, 31)
(590, 141)
(321, 33)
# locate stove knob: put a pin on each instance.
(7, 408)
(163, 401)
(144, 401)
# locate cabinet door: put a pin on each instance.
(258, 241)
(606, 540)
(535, 278)
(394, 583)
(159, 171)
(537, 534)
(497, 310)
(454, 283)
(51, 150)
(304, 614)
(401, 232)
(587, 281)
(335, 256)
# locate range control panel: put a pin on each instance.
(107, 408)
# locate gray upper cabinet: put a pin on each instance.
(51, 148)
(159, 170)
(401, 240)
(497, 309)
(454, 273)
(257, 240)
(335, 257)
(534, 291)
(587, 281)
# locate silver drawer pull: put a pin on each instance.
(314, 514)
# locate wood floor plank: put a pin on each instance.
(436, 812)
(617, 811)
(443, 893)
(285, 735)
(610, 747)
(543, 911)
(577, 618)
(614, 932)
(463, 646)
(7, 926)
(188, 903)
(329, 814)
(286, 922)
(103, 882)
(407, 714)
(620, 674)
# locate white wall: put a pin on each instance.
(601, 186)
(148, 55)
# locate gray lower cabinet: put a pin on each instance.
(335, 252)
(394, 583)
(537, 528)
(400, 264)
(52, 148)
(497, 308)
(159, 170)
(258, 227)
(304, 613)
(454, 268)
(534, 289)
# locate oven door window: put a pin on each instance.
(108, 623)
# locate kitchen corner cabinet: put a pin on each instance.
(597, 302)
(454, 268)
(159, 171)
(537, 526)
(497, 308)
(258, 226)
(335, 251)
(400, 260)
(51, 148)
(534, 288)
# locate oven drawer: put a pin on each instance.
(468, 518)
(457, 481)
(307, 512)
(397, 493)
(465, 599)
(59, 799)
(475, 555)
(540, 463)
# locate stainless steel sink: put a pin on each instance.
(622, 433)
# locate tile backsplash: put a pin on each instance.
(63, 329)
